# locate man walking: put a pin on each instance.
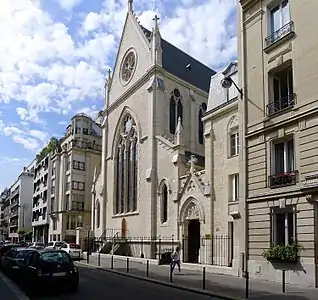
(175, 260)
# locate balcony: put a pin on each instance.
(286, 30)
(281, 104)
(283, 179)
(85, 145)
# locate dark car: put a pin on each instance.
(49, 268)
(5, 248)
(13, 259)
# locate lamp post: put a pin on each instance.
(227, 82)
(88, 228)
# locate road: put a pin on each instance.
(100, 285)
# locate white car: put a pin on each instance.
(73, 250)
(54, 245)
(37, 245)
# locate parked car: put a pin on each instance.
(37, 245)
(54, 245)
(73, 250)
(5, 248)
(49, 268)
(13, 259)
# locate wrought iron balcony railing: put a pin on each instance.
(279, 34)
(281, 104)
(283, 179)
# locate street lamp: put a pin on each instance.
(227, 82)
(88, 228)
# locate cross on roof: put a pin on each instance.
(156, 18)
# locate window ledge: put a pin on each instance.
(233, 202)
(279, 42)
(232, 156)
(134, 213)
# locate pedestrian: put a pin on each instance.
(175, 260)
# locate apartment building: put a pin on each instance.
(278, 58)
(4, 211)
(41, 199)
(72, 176)
(20, 211)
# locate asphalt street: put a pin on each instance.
(100, 285)
(6, 291)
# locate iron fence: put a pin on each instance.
(211, 250)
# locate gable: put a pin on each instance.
(175, 62)
(132, 39)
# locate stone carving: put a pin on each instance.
(193, 212)
(234, 122)
(191, 186)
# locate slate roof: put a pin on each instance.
(175, 61)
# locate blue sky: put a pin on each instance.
(54, 56)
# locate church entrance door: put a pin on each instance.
(193, 241)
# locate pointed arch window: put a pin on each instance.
(97, 214)
(126, 168)
(176, 110)
(164, 203)
(202, 111)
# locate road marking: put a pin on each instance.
(14, 288)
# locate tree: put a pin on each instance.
(53, 144)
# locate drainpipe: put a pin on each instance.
(243, 152)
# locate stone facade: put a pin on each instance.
(177, 201)
(278, 70)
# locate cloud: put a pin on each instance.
(68, 4)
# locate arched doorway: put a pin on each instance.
(191, 217)
(193, 241)
(123, 228)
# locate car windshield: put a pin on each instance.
(60, 257)
(39, 244)
(59, 244)
(75, 246)
(22, 253)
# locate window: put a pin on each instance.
(79, 221)
(126, 168)
(67, 202)
(282, 91)
(234, 187)
(201, 125)
(97, 214)
(164, 204)
(54, 224)
(176, 110)
(78, 185)
(283, 164)
(78, 165)
(283, 226)
(280, 22)
(85, 131)
(234, 144)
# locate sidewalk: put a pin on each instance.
(225, 285)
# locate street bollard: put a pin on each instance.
(203, 279)
(246, 284)
(112, 262)
(127, 265)
(283, 281)
(87, 258)
(79, 256)
(98, 261)
(147, 268)
(170, 274)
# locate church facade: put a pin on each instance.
(170, 145)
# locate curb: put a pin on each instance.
(167, 284)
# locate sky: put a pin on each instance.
(54, 57)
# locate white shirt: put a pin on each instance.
(176, 256)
